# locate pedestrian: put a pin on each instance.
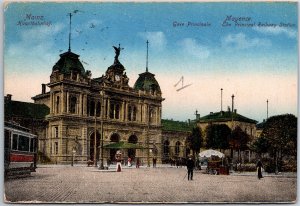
(259, 166)
(129, 162)
(154, 162)
(137, 163)
(190, 167)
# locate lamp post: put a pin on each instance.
(101, 125)
(95, 140)
(148, 146)
(73, 153)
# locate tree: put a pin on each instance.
(239, 140)
(195, 140)
(217, 136)
(260, 145)
(281, 133)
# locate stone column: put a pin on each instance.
(126, 112)
(68, 96)
(80, 104)
(108, 107)
(51, 97)
(123, 112)
(84, 104)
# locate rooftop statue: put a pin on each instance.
(117, 51)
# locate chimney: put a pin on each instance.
(8, 97)
(43, 88)
(235, 111)
(189, 121)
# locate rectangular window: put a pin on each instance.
(23, 143)
(56, 148)
(32, 145)
(7, 139)
(56, 132)
(15, 142)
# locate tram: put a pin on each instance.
(20, 150)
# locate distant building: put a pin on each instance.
(232, 120)
(26, 114)
(174, 139)
(259, 128)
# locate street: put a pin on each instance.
(81, 184)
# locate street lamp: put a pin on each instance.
(95, 139)
(73, 153)
(148, 146)
(101, 125)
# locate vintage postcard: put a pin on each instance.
(150, 102)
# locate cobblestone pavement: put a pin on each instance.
(80, 184)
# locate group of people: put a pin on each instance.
(190, 164)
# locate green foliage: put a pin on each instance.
(260, 145)
(217, 136)
(171, 125)
(195, 139)
(281, 132)
(239, 139)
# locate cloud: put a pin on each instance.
(157, 40)
(290, 33)
(241, 41)
(34, 41)
(34, 50)
(192, 47)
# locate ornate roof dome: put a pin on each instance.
(147, 82)
(69, 62)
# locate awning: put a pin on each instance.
(210, 152)
(122, 145)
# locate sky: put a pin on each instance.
(250, 50)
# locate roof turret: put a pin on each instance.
(69, 62)
(147, 82)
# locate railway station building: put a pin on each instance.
(82, 108)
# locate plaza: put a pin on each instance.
(82, 184)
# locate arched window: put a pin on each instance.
(132, 152)
(115, 137)
(73, 101)
(166, 148)
(177, 148)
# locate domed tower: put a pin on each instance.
(69, 67)
(147, 82)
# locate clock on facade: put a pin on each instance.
(117, 77)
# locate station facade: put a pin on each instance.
(82, 108)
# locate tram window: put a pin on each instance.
(15, 142)
(7, 139)
(23, 143)
(32, 145)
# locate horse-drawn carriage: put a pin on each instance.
(215, 163)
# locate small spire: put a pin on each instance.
(232, 107)
(267, 108)
(221, 99)
(70, 32)
(147, 57)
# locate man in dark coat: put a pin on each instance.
(190, 167)
(259, 166)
